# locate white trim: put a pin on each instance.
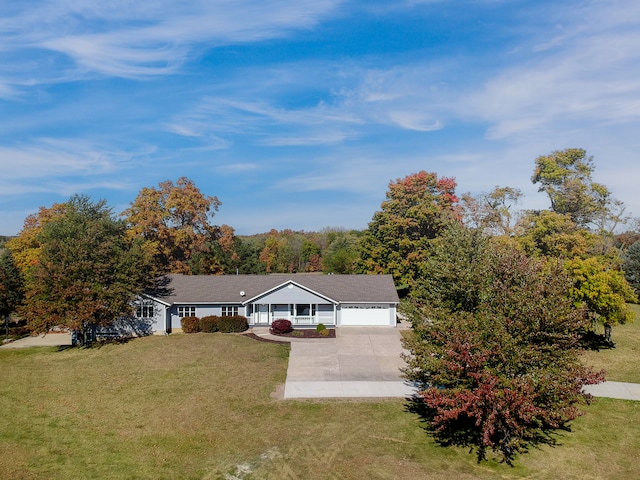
(256, 298)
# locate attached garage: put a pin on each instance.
(367, 314)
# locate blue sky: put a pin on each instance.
(297, 113)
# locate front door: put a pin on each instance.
(262, 314)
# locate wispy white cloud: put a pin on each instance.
(588, 74)
(314, 138)
(415, 121)
(237, 168)
(151, 37)
(348, 105)
(55, 158)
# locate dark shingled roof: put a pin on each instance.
(182, 289)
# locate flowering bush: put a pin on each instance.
(281, 326)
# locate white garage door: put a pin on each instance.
(365, 315)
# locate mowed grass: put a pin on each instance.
(200, 407)
(621, 363)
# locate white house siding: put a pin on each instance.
(290, 294)
(281, 302)
(367, 314)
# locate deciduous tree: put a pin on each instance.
(342, 251)
(602, 290)
(551, 234)
(278, 254)
(11, 285)
(26, 247)
(631, 266)
(565, 176)
(87, 272)
(494, 212)
(174, 220)
(415, 211)
(496, 361)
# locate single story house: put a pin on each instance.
(304, 299)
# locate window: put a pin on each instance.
(186, 312)
(229, 310)
(305, 310)
(144, 310)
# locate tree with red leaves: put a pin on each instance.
(499, 370)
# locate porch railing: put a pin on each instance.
(304, 320)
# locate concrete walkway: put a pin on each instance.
(619, 390)
(49, 340)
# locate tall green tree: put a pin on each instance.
(417, 208)
(342, 251)
(566, 177)
(496, 358)
(88, 270)
(247, 259)
(454, 274)
(602, 290)
(631, 266)
(11, 285)
(551, 234)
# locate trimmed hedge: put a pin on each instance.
(209, 324)
(232, 324)
(190, 324)
(214, 323)
(281, 326)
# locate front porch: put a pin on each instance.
(300, 315)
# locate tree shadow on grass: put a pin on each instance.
(593, 341)
(97, 344)
(463, 432)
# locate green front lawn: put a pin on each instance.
(200, 406)
(621, 363)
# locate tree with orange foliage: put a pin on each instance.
(175, 222)
(26, 247)
(416, 209)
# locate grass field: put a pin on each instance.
(200, 407)
(621, 363)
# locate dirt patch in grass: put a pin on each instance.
(262, 339)
(307, 333)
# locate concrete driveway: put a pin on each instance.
(359, 362)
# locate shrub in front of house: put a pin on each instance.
(231, 324)
(280, 326)
(209, 324)
(321, 327)
(190, 324)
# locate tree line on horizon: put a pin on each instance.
(172, 227)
